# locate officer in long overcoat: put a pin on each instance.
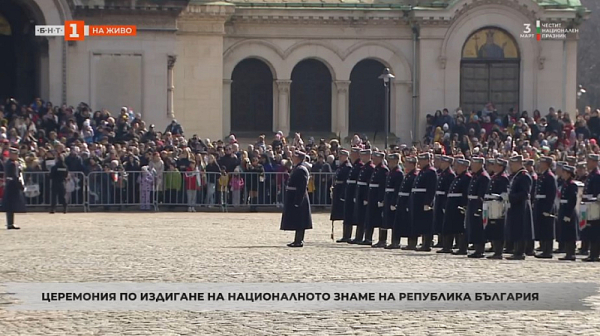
(568, 218)
(529, 165)
(58, 175)
(350, 195)
(544, 210)
(497, 191)
(422, 199)
(474, 217)
(13, 200)
(559, 183)
(375, 200)
(362, 193)
(456, 205)
(403, 219)
(296, 208)
(338, 192)
(392, 188)
(519, 220)
(581, 175)
(591, 192)
(445, 178)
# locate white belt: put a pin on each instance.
(454, 195)
(540, 196)
(339, 182)
(564, 201)
(61, 169)
(373, 185)
(588, 196)
(290, 188)
(362, 183)
(403, 194)
(416, 190)
(9, 178)
(389, 189)
(440, 193)
(351, 182)
(473, 197)
(490, 197)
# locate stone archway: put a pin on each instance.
(252, 97)
(367, 96)
(310, 103)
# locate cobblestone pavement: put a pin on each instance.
(236, 247)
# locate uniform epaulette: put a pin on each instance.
(468, 174)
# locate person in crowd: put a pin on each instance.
(58, 175)
(146, 182)
(237, 186)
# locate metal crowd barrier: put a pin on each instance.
(171, 190)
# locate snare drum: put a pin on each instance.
(495, 209)
(593, 211)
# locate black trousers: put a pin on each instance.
(58, 191)
(10, 219)
(299, 236)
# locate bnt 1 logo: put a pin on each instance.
(78, 30)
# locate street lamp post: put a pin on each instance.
(387, 77)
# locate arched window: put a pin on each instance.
(252, 97)
(310, 101)
(367, 95)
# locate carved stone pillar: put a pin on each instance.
(171, 59)
(343, 97)
(283, 86)
(227, 106)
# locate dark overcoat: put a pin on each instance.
(403, 219)
(456, 205)
(296, 207)
(350, 197)
(544, 209)
(13, 199)
(377, 195)
(494, 230)
(445, 179)
(519, 218)
(592, 188)
(339, 191)
(362, 193)
(568, 203)
(422, 195)
(392, 188)
(474, 218)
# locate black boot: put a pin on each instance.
(65, 209)
(446, 244)
(426, 246)
(360, 235)
(546, 250)
(412, 244)
(519, 251)
(462, 245)
(585, 248)
(529, 248)
(509, 247)
(382, 238)
(479, 250)
(347, 233)
(569, 251)
(498, 248)
(594, 252)
(368, 237)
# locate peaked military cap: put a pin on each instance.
(14, 150)
(344, 152)
(561, 164)
(366, 152)
(502, 162)
(570, 169)
(447, 158)
(571, 159)
(393, 156)
(516, 158)
(546, 159)
(378, 154)
(491, 161)
(463, 162)
(478, 160)
(438, 156)
(424, 156)
(594, 157)
(355, 150)
(411, 159)
(529, 162)
(581, 165)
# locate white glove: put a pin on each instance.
(365, 202)
(355, 200)
(567, 219)
(546, 214)
(443, 210)
(427, 208)
(462, 210)
(380, 204)
(393, 207)
(343, 200)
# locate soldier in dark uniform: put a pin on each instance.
(474, 217)
(544, 208)
(489, 166)
(497, 191)
(567, 214)
(338, 194)
(445, 178)
(422, 198)
(296, 209)
(58, 176)
(350, 195)
(393, 182)
(581, 175)
(455, 207)
(375, 204)
(559, 183)
(572, 161)
(437, 164)
(591, 232)
(530, 167)
(13, 200)
(403, 219)
(519, 221)
(362, 193)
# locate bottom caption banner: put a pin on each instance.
(297, 296)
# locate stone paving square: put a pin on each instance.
(248, 247)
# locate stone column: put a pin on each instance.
(170, 86)
(227, 106)
(343, 97)
(283, 86)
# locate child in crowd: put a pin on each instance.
(146, 182)
(237, 185)
(193, 183)
(223, 186)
